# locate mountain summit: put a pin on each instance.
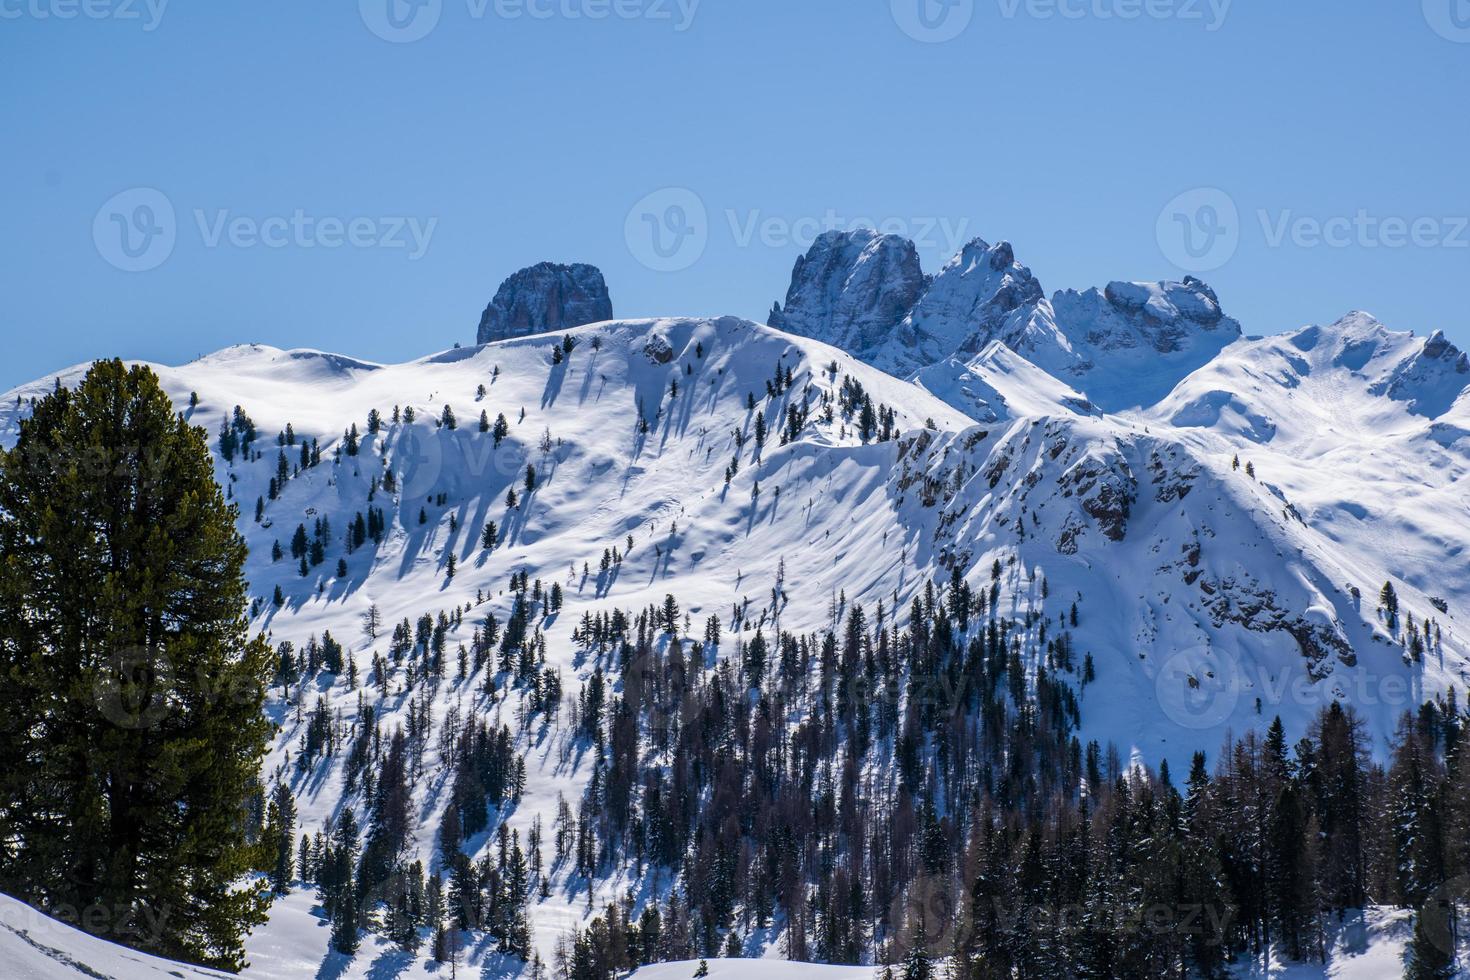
(544, 298)
(1124, 346)
(587, 576)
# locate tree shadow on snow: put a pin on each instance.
(390, 963)
(334, 965)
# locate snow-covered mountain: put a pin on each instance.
(1125, 345)
(1222, 511)
(852, 290)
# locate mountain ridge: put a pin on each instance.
(1222, 557)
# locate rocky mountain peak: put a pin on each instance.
(865, 293)
(1167, 316)
(851, 289)
(544, 298)
(969, 304)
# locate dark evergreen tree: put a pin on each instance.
(1430, 953)
(131, 727)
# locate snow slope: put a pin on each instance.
(34, 946)
(1209, 600)
(1366, 946)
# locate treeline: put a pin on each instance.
(931, 800)
(366, 876)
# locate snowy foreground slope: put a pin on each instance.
(1211, 599)
(1366, 947)
(34, 947)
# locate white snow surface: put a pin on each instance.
(1366, 946)
(34, 946)
(1209, 600)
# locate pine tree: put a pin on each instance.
(1388, 601)
(121, 590)
(916, 965)
(392, 819)
(280, 835)
(1430, 951)
(344, 922)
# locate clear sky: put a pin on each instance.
(359, 175)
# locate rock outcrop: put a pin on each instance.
(851, 289)
(1125, 345)
(544, 298)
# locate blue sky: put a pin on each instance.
(331, 188)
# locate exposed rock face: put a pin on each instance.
(969, 304)
(545, 298)
(851, 289)
(1429, 380)
(658, 350)
(1166, 316)
(1126, 344)
(866, 293)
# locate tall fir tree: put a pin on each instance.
(131, 730)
